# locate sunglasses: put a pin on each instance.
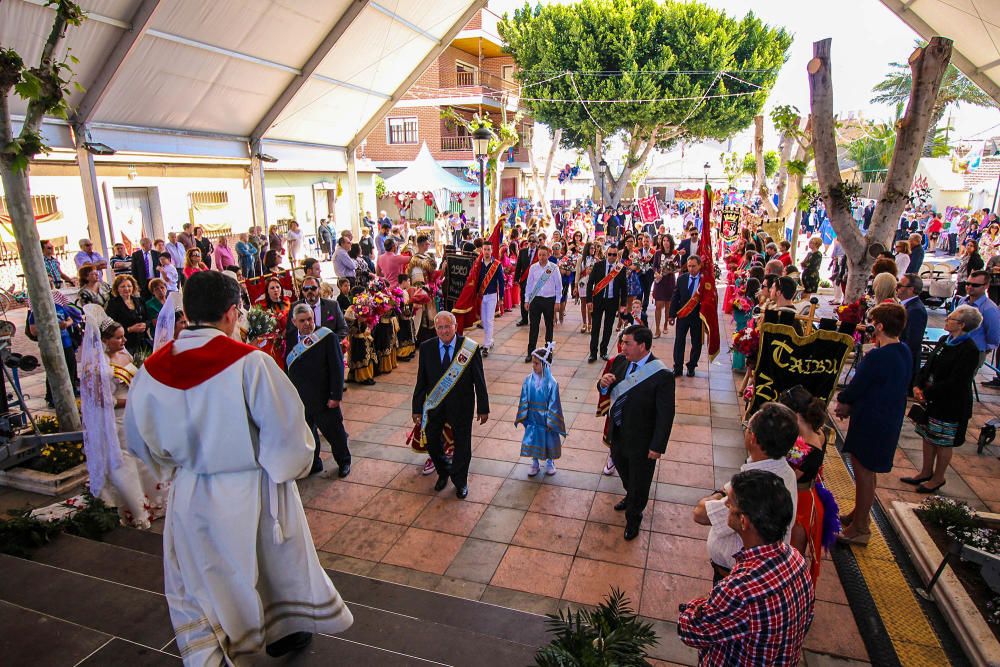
(975, 284)
(311, 288)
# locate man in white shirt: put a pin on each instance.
(175, 249)
(769, 436)
(542, 292)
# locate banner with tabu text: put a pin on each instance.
(786, 359)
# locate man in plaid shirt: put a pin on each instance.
(759, 614)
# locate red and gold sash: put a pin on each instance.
(606, 280)
(489, 277)
(691, 304)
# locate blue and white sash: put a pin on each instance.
(304, 344)
(647, 371)
(546, 274)
(448, 381)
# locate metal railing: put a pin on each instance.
(456, 143)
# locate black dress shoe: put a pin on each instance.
(690, 372)
(462, 493)
(631, 532)
(293, 642)
(521, 323)
(592, 358)
(344, 471)
(678, 372)
(604, 355)
(620, 505)
(441, 483)
(317, 468)
(527, 359)
(369, 382)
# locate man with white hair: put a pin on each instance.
(450, 385)
(88, 256)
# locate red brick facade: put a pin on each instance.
(482, 88)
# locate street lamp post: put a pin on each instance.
(481, 144)
(708, 168)
(603, 166)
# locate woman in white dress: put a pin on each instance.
(294, 239)
(116, 476)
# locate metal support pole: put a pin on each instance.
(354, 201)
(996, 196)
(96, 228)
(257, 193)
(482, 197)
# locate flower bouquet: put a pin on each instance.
(743, 303)
(747, 341)
(852, 313)
(365, 309)
(260, 322)
(567, 265)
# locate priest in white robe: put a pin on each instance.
(241, 570)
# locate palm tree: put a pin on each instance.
(956, 89)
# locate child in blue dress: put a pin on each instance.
(541, 413)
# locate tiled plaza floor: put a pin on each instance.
(543, 543)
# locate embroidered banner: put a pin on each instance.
(648, 209)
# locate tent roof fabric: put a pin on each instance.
(973, 25)
(426, 175)
(316, 72)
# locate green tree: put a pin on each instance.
(771, 160)
(44, 87)
(956, 89)
(661, 72)
(731, 166)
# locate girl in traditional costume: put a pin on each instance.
(361, 359)
(116, 476)
(406, 335)
(541, 413)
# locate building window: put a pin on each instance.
(219, 197)
(507, 73)
(402, 130)
(284, 207)
(466, 74)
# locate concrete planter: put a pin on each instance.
(970, 628)
(42, 482)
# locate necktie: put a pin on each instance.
(618, 409)
(446, 357)
(611, 284)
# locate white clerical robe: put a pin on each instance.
(241, 570)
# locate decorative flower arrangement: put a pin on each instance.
(567, 265)
(261, 323)
(797, 453)
(747, 341)
(743, 303)
(852, 313)
(365, 309)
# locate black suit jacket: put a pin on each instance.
(461, 401)
(318, 375)
(597, 274)
(649, 411)
(139, 269)
(523, 264)
(916, 326)
(682, 293)
(331, 316)
(685, 245)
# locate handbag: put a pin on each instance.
(917, 414)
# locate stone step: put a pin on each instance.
(401, 625)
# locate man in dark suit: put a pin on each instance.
(916, 253)
(687, 287)
(326, 312)
(456, 408)
(908, 291)
(145, 266)
(688, 247)
(525, 259)
(605, 303)
(866, 215)
(640, 419)
(316, 368)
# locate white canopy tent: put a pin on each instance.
(426, 175)
(973, 25)
(234, 79)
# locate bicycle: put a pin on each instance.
(13, 297)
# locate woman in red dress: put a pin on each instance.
(275, 302)
(512, 293)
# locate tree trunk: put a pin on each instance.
(18, 194)
(556, 138)
(928, 65)
(760, 175)
(785, 152)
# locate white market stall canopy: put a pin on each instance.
(189, 77)
(974, 25)
(426, 175)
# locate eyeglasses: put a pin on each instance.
(975, 284)
(309, 288)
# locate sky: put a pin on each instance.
(866, 37)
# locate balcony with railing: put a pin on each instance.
(464, 79)
(460, 144)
